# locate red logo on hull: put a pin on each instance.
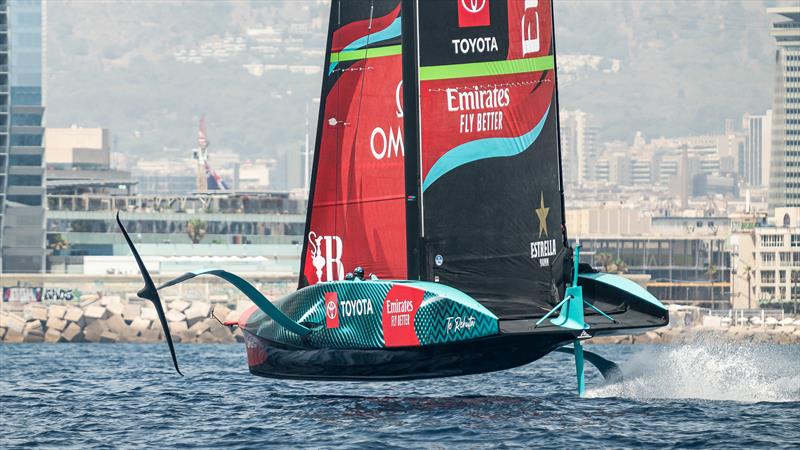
(473, 13)
(331, 310)
(399, 310)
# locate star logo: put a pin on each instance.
(541, 212)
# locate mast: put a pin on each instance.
(558, 132)
(414, 239)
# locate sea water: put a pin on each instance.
(706, 394)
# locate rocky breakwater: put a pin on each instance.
(111, 319)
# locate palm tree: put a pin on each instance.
(610, 264)
(196, 229)
(603, 260)
(58, 243)
(621, 266)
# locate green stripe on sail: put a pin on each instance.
(364, 53)
(483, 69)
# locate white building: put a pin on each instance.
(766, 262)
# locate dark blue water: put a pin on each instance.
(701, 395)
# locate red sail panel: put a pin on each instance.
(491, 190)
(356, 208)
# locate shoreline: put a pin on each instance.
(109, 319)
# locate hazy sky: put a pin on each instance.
(663, 67)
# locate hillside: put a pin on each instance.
(666, 68)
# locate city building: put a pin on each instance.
(680, 259)
(758, 149)
(76, 147)
(22, 171)
(229, 230)
(578, 146)
(784, 186)
(766, 260)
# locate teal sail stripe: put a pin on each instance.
(390, 32)
(483, 149)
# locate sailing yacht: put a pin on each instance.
(437, 173)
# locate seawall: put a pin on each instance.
(111, 318)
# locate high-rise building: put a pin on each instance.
(578, 146)
(757, 151)
(22, 230)
(784, 182)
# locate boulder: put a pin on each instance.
(222, 333)
(2, 333)
(179, 305)
(33, 326)
(109, 337)
(34, 336)
(94, 330)
(131, 312)
(74, 314)
(149, 313)
(151, 335)
(88, 299)
(233, 317)
(52, 335)
(56, 324)
(13, 337)
(115, 308)
(37, 312)
(72, 333)
(138, 324)
(117, 325)
(178, 327)
(220, 312)
(109, 299)
(173, 315)
(206, 338)
(201, 327)
(13, 322)
(197, 312)
(56, 311)
(96, 312)
(187, 337)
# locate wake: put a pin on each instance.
(710, 369)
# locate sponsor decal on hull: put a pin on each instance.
(331, 310)
(399, 310)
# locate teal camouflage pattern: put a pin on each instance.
(446, 315)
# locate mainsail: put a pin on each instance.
(474, 198)
(491, 213)
(356, 213)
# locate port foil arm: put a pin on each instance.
(149, 292)
(251, 292)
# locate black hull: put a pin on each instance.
(275, 360)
